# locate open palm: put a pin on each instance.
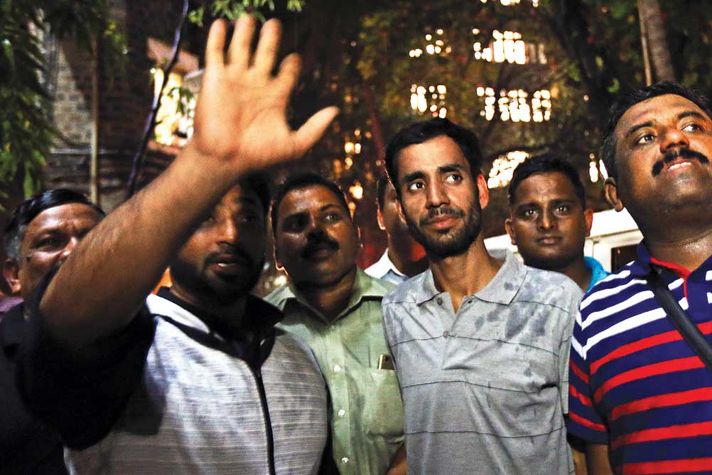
(241, 113)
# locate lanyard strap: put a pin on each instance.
(692, 335)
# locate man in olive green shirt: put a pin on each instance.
(336, 309)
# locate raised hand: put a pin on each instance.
(240, 118)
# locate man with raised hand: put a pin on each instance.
(640, 396)
(198, 379)
(480, 341)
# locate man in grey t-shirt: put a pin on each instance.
(480, 342)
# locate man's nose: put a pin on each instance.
(228, 231)
(436, 195)
(315, 229)
(673, 137)
(69, 248)
(546, 220)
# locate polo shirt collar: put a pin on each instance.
(642, 265)
(259, 315)
(501, 289)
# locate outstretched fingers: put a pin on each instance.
(215, 47)
(267, 47)
(288, 74)
(239, 52)
(313, 129)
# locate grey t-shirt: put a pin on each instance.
(485, 389)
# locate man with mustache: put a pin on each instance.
(43, 231)
(640, 396)
(549, 220)
(336, 309)
(480, 341)
(196, 379)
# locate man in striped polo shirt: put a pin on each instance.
(639, 395)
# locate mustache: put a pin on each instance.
(434, 213)
(233, 252)
(671, 155)
(316, 242)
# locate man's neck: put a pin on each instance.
(464, 274)
(405, 262)
(577, 271)
(688, 250)
(330, 300)
(214, 313)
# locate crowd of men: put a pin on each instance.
(442, 357)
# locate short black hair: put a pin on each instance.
(258, 184)
(423, 131)
(31, 208)
(299, 181)
(546, 163)
(628, 99)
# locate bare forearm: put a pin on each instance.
(597, 460)
(399, 463)
(106, 279)
(240, 127)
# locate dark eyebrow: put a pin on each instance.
(331, 205)
(695, 114)
(635, 128)
(413, 176)
(450, 168)
(680, 116)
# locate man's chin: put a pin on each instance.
(549, 263)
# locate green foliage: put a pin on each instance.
(232, 9)
(26, 131)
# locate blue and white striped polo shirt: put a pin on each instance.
(635, 384)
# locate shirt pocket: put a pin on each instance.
(382, 404)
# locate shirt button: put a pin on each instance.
(337, 368)
(344, 460)
(439, 300)
(341, 412)
(446, 334)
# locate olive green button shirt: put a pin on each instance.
(367, 411)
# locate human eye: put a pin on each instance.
(692, 127)
(562, 209)
(453, 178)
(208, 221)
(416, 185)
(294, 224)
(332, 217)
(527, 213)
(49, 242)
(645, 138)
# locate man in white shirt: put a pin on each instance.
(404, 257)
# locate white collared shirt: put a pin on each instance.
(386, 270)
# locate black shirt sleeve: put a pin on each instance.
(82, 392)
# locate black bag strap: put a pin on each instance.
(692, 335)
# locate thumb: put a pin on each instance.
(313, 129)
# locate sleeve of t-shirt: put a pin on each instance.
(573, 297)
(82, 393)
(583, 420)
